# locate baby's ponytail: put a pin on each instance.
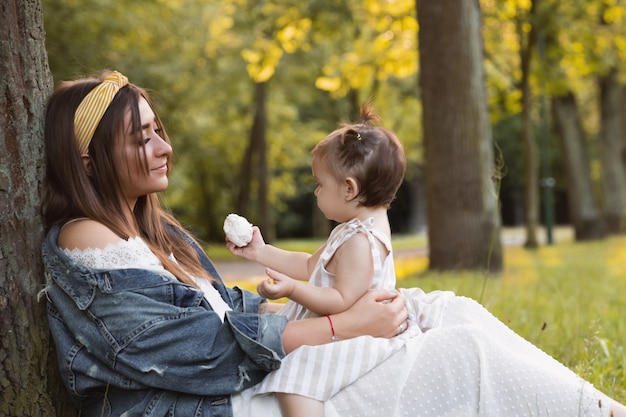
(368, 115)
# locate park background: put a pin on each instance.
(511, 111)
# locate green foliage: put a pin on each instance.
(568, 299)
(321, 60)
(201, 59)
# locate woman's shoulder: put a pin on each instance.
(86, 234)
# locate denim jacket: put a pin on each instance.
(134, 342)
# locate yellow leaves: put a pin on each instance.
(262, 60)
(575, 62)
(174, 4)
(218, 31)
(389, 7)
(293, 35)
(613, 15)
(328, 83)
(620, 45)
(289, 34)
(251, 56)
(386, 48)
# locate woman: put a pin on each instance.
(132, 331)
(144, 326)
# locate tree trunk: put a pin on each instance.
(417, 221)
(260, 132)
(531, 155)
(612, 133)
(585, 216)
(462, 205)
(254, 170)
(29, 383)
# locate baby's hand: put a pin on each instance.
(251, 250)
(276, 286)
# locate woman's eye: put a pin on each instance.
(158, 131)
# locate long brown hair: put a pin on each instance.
(70, 192)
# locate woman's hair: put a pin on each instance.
(372, 155)
(70, 192)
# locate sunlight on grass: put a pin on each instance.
(407, 266)
(569, 299)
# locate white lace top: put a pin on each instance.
(134, 253)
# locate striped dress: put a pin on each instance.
(320, 372)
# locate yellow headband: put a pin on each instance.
(92, 108)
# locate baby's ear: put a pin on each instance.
(352, 188)
(86, 163)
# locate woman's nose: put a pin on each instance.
(162, 148)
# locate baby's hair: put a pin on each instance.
(370, 154)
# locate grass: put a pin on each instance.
(567, 298)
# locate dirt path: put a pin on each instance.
(244, 270)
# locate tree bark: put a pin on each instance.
(462, 205)
(29, 383)
(585, 215)
(612, 133)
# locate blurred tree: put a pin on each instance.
(29, 380)
(527, 23)
(585, 215)
(613, 147)
(463, 218)
(587, 46)
(273, 29)
(502, 23)
(611, 50)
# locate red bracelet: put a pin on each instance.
(334, 338)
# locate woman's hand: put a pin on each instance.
(378, 313)
(252, 249)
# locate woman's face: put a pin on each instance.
(135, 181)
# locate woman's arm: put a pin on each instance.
(370, 315)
